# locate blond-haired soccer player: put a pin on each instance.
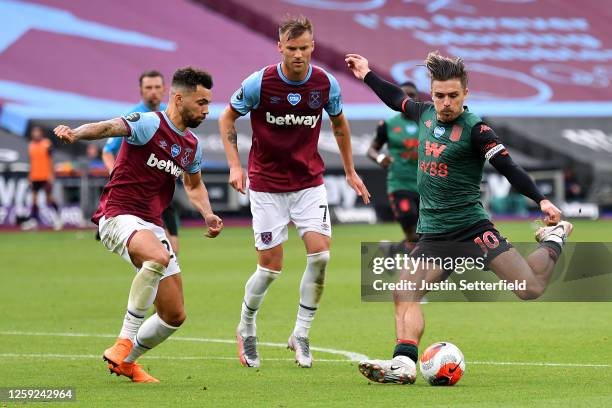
(286, 102)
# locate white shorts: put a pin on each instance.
(307, 209)
(116, 232)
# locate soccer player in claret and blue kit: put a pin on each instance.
(285, 171)
(159, 148)
(454, 144)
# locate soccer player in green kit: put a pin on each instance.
(454, 144)
(401, 135)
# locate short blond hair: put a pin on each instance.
(294, 27)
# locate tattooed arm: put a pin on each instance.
(229, 136)
(93, 131)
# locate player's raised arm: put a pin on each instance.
(93, 131)
(198, 196)
(487, 143)
(342, 133)
(392, 95)
(229, 136)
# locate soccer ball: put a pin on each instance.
(442, 364)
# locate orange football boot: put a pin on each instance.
(118, 352)
(133, 371)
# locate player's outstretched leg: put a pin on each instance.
(246, 333)
(537, 269)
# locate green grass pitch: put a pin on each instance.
(63, 297)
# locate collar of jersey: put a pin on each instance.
(172, 124)
(284, 78)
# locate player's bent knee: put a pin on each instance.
(160, 257)
(271, 259)
(319, 259)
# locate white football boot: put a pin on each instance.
(399, 370)
(556, 233)
(247, 350)
(301, 347)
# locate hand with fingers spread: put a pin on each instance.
(358, 65)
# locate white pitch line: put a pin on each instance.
(350, 355)
(147, 357)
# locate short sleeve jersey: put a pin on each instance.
(153, 156)
(286, 121)
(113, 144)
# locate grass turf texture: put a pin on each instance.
(68, 283)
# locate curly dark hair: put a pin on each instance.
(190, 78)
(443, 68)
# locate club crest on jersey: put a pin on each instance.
(314, 99)
(438, 131)
(185, 158)
(294, 98)
(266, 237)
(175, 150)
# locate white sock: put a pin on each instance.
(254, 293)
(141, 298)
(152, 332)
(311, 290)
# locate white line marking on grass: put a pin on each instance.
(350, 355)
(147, 357)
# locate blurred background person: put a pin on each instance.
(41, 178)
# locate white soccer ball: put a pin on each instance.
(442, 364)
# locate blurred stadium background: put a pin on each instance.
(540, 73)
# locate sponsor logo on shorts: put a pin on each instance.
(266, 237)
(325, 227)
(167, 166)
